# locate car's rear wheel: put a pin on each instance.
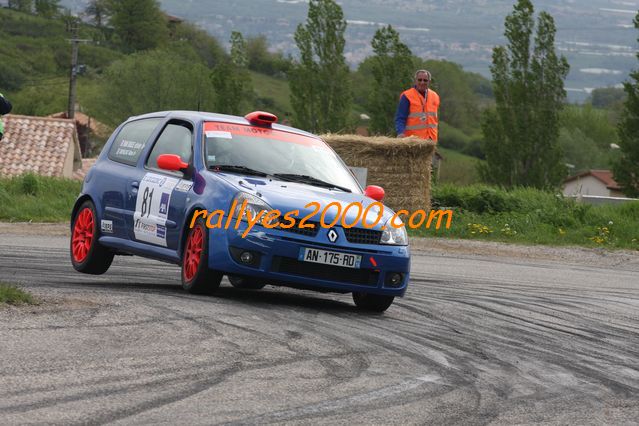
(372, 302)
(248, 283)
(196, 276)
(87, 255)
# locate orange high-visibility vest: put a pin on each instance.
(422, 118)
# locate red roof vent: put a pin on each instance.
(261, 118)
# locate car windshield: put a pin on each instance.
(275, 152)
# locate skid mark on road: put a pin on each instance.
(385, 394)
(472, 341)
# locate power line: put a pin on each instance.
(74, 67)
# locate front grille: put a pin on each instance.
(353, 235)
(363, 236)
(287, 265)
(309, 232)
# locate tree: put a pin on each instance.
(99, 11)
(21, 5)
(263, 61)
(392, 69)
(607, 97)
(47, 8)
(585, 137)
(521, 134)
(153, 80)
(238, 50)
(231, 79)
(319, 81)
(139, 24)
(206, 46)
(626, 169)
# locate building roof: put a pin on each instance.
(97, 128)
(81, 173)
(173, 19)
(605, 176)
(37, 144)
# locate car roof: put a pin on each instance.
(211, 116)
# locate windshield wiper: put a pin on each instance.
(237, 169)
(291, 177)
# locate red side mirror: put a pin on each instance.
(171, 162)
(375, 192)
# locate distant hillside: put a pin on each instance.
(597, 36)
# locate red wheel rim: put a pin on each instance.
(82, 237)
(194, 247)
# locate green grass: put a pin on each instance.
(529, 216)
(275, 89)
(523, 215)
(14, 296)
(457, 168)
(35, 198)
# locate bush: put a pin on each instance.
(475, 198)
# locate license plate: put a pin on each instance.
(329, 257)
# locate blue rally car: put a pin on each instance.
(187, 187)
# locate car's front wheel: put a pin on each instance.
(87, 255)
(372, 302)
(196, 276)
(248, 283)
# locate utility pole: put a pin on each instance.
(75, 41)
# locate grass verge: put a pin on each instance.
(35, 198)
(12, 295)
(529, 216)
(522, 215)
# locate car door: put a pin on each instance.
(157, 213)
(115, 173)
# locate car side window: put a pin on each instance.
(131, 140)
(176, 138)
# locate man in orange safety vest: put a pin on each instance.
(417, 110)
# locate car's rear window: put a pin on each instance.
(131, 140)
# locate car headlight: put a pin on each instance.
(254, 205)
(394, 236)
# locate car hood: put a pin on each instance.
(290, 196)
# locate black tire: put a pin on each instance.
(372, 302)
(247, 283)
(87, 255)
(197, 278)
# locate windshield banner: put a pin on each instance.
(227, 130)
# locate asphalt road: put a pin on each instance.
(477, 340)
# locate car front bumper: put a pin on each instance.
(275, 260)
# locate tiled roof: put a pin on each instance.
(37, 144)
(605, 176)
(98, 128)
(87, 163)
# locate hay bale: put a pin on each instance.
(401, 166)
